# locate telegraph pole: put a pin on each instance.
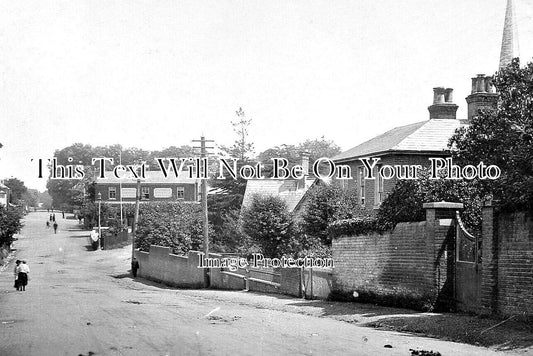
(203, 156)
(135, 218)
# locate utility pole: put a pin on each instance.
(203, 160)
(135, 218)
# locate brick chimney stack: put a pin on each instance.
(483, 95)
(443, 106)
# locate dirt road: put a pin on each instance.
(84, 302)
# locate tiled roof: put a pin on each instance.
(288, 190)
(152, 177)
(426, 136)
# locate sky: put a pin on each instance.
(153, 74)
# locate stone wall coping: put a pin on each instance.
(443, 205)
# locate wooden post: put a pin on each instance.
(135, 218)
(205, 220)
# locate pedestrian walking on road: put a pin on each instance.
(16, 273)
(134, 267)
(63, 212)
(51, 217)
(54, 217)
(55, 227)
(47, 224)
(23, 271)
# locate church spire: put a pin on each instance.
(510, 48)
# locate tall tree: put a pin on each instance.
(268, 222)
(504, 137)
(230, 192)
(18, 189)
(316, 148)
(31, 197)
(242, 147)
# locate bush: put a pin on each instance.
(354, 226)
(10, 224)
(177, 225)
(269, 224)
(405, 201)
(229, 237)
(328, 203)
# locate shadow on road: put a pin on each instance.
(78, 236)
(471, 329)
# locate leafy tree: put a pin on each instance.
(18, 189)
(61, 190)
(504, 137)
(176, 225)
(229, 237)
(45, 199)
(268, 222)
(226, 203)
(10, 224)
(326, 204)
(405, 202)
(31, 197)
(72, 192)
(316, 149)
(184, 151)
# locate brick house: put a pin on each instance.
(154, 188)
(412, 144)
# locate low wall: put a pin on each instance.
(182, 271)
(161, 266)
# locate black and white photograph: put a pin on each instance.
(282, 177)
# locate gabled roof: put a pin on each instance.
(152, 177)
(289, 190)
(429, 136)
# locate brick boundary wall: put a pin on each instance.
(409, 265)
(507, 279)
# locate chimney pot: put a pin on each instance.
(448, 95)
(443, 106)
(438, 95)
(481, 83)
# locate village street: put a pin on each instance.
(84, 302)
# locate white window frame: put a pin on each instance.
(182, 191)
(112, 190)
(362, 188)
(378, 187)
(145, 193)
